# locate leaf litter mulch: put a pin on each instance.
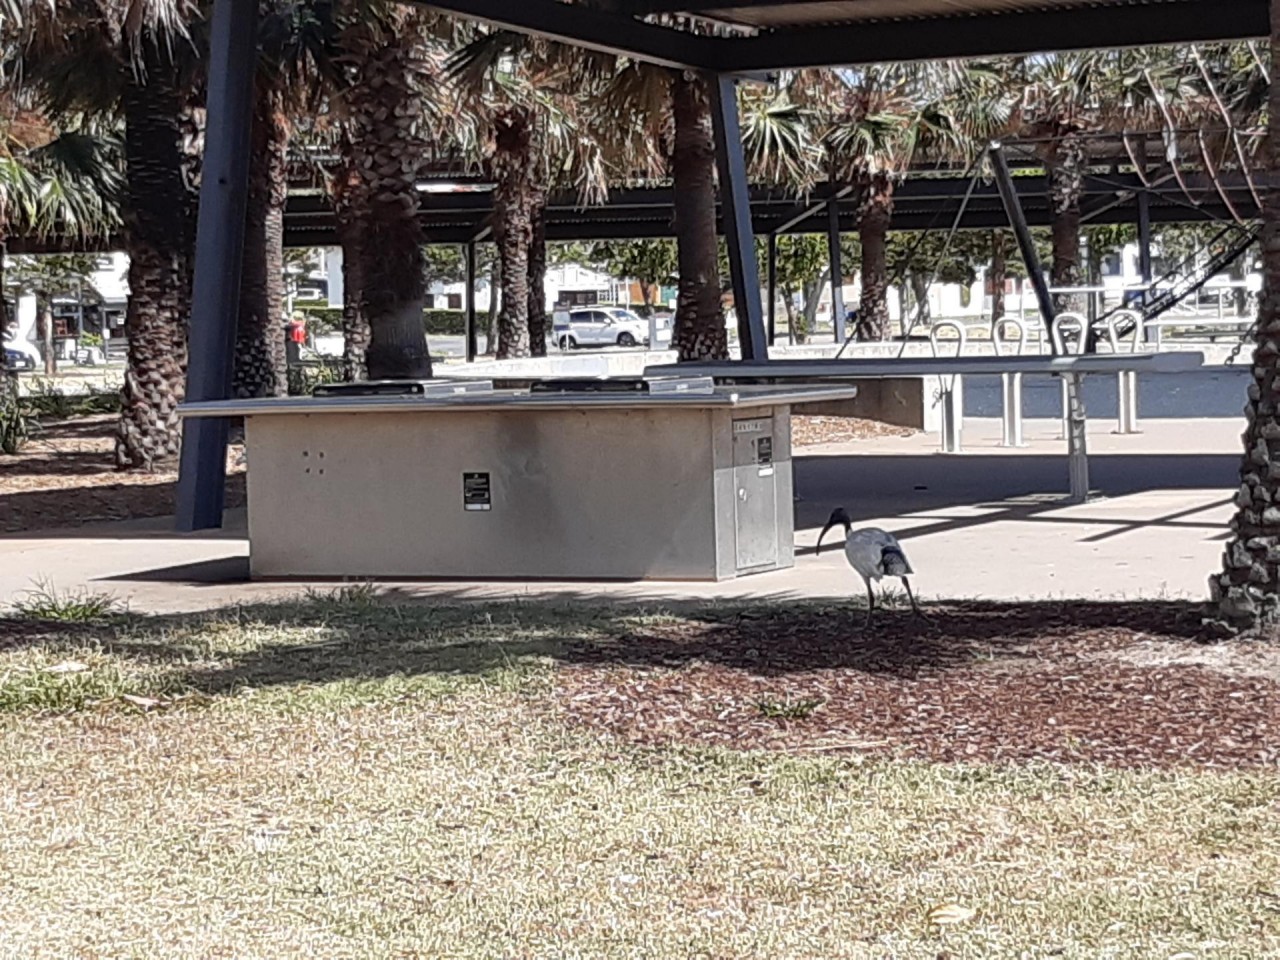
(807, 431)
(1121, 684)
(65, 476)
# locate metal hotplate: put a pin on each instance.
(724, 397)
(643, 385)
(403, 388)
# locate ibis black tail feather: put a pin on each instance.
(894, 562)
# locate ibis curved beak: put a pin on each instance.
(825, 529)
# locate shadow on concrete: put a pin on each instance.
(1001, 487)
(85, 513)
(220, 570)
(368, 637)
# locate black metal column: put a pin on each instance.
(773, 288)
(1018, 220)
(735, 205)
(471, 302)
(233, 51)
(837, 272)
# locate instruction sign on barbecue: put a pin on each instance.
(477, 492)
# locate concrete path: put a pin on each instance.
(988, 523)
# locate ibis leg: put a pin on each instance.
(915, 608)
(871, 602)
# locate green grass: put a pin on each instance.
(343, 648)
(46, 603)
(350, 777)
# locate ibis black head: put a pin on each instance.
(838, 517)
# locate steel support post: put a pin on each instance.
(837, 272)
(1077, 444)
(953, 415)
(773, 288)
(735, 204)
(1011, 384)
(1127, 402)
(471, 302)
(219, 254)
(1018, 220)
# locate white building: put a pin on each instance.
(568, 283)
(110, 280)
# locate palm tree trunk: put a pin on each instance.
(1066, 164)
(12, 433)
(513, 229)
(789, 308)
(699, 332)
(261, 365)
(355, 326)
(386, 150)
(1246, 594)
(920, 293)
(809, 316)
(538, 276)
(156, 234)
(997, 276)
(873, 231)
(5, 319)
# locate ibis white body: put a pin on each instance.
(874, 553)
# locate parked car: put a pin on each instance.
(599, 327)
(17, 360)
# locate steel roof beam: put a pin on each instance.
(582, 26)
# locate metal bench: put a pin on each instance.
(1071, 368)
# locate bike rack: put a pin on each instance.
(1126, 380)
(1073, 413)
(951, 389)
(1011, 383)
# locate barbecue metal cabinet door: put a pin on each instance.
(755, 493)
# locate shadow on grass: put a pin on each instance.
(357, 635)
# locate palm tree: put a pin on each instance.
(1245, 595)
(159, 238)
(390, 61)
(538, 327)
(513, 197)
(657, 122)
(528, 97)
(135, 63)
(295, 68)
(699, 332)
(1072, 102)
(877, 122)
(1066, 98)
(261, 369)
(53, 183)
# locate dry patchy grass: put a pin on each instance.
(370, 780)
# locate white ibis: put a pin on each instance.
(873, 553)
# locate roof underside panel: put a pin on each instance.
(774, 15)
(761, 36)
